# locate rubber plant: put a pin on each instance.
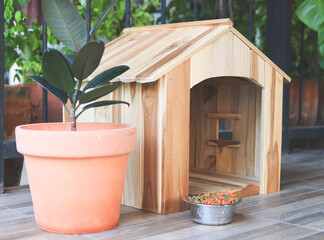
(311, 13)
(63, 75)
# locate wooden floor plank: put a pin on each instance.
(296, 212)
(316, 236)
(41, 235)
(240, 224)
(275, 231)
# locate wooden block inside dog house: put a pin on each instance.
(184, 78)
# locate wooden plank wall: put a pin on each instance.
(226, 56)
(223, 95)
(271, 113)
(244, 130)
(225, 104)
(133, 190)
(150, 120)
(216, 59)
(175, 155)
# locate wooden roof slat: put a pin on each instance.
(161, 49)
(214, 22)
(121, 40)
(113, 53)
(125, 52)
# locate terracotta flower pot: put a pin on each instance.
(76, 178)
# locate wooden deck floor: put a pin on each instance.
(297, 212)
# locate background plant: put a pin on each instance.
(23, 43)
(113, 25)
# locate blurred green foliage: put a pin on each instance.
(23, 43)
(112, 27)
(238, 11)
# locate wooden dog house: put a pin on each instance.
(183, 79)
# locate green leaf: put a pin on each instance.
(18, 16)
(65, 22)
(70, 58)
(320, 35)
(57, 71)
(103, 103)
(101, 19)
(311, 12)
(100, 104)
(106, 76)
(321, 60)
(87, 59)
(321, 50)
(320, 40)
(62, 96)
(21, 3)
(97, 93)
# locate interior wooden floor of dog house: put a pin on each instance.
(225, 164)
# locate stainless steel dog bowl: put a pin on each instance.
(212, 214)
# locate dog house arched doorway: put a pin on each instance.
(225, 160)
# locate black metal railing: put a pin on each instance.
(2, 147)
(44, 42)
(319, 97)
(301, 75)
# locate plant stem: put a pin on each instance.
(72, 117)
(73, 123)
(73, 104)
(76, 91)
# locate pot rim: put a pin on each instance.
(91, 140)
(34, 127)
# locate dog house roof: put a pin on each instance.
(152, 51)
